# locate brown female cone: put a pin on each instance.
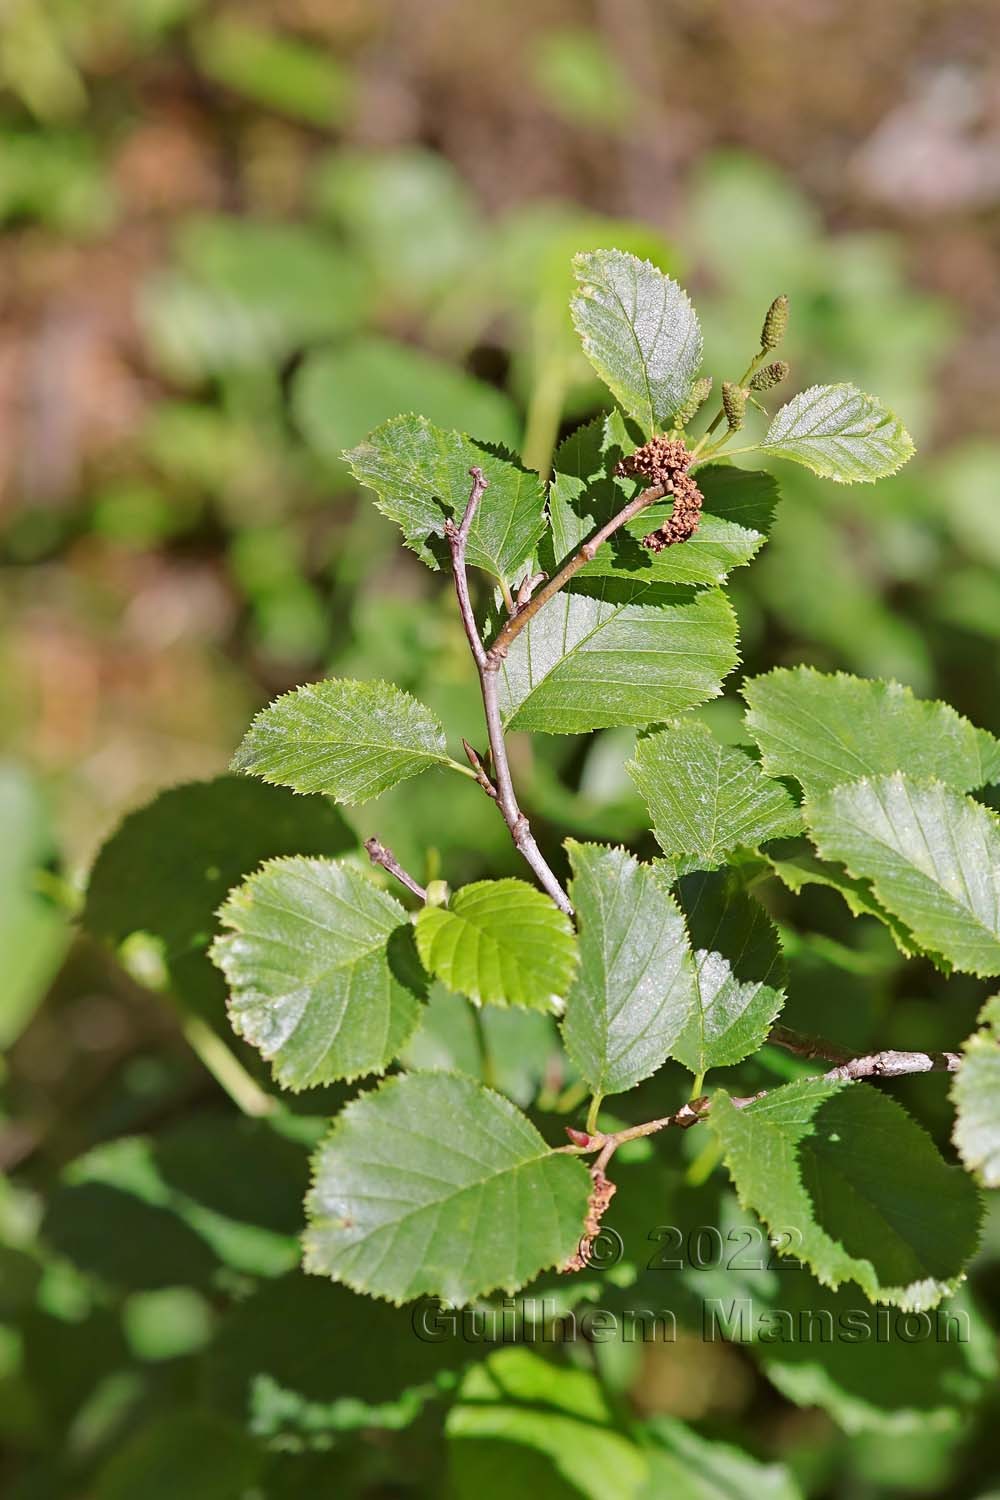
(665, 461)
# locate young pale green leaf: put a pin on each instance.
(825, 729)
(858, 1188)
(501, 942)
(932, 856)
(607, 652)
(839, 433)
(322, 975)
(635, 986)
(737, 515)
(975, 1093)
(420, 474)
(705, 798)
(639, 332)
(351, 740)
(435, 1185)
(738, 972)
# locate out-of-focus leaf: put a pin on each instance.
(167, 868)
(33, 933)
(340, 395)
(682, 1462)
(520, 1422)
(189, 1453)
(411, 217)
(277, 71)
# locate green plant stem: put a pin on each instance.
(704, 1164)
(227, 1070)
(544, 413)
(593, 1112)
(754, 364)
(487, 1065)
(698, 1086)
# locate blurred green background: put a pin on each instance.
(235, 237)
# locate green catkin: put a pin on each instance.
(770, 375)
(775, 323)
(700, 392)
(734, 404)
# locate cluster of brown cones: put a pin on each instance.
(665, 461)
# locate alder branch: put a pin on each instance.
(506, 797)
(522, 613)
(380, 855)
(887, 1064)
(848, 1069)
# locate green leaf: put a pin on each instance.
(368, 1357)
(839, 433)
(433, 1184)
(682, 1462)
(639, 331)
(932, 857)
(351, 740)
(861, 1366)
(859, 1184)
(738, 969)
(420, 474)
(635, 987)
(181, 1452)
(607, 652)
(522, 1047)
(339, 395)
(275, 70)
(33, 933)
(319, 963)
(975, 1093)
(825, 729)
(738, 513)
(167, 868)
(521, 1425)
(706, 799)
(797, 866)
(501, 942)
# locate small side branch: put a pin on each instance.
(848, 1069)
(525, 612)
(380, 855)
(888, 1064)
(506, 798)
